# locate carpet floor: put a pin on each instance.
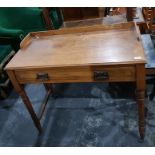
(84, 114)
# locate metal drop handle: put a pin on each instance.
(101, 75)
(42, 76)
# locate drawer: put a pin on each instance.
(77, 74)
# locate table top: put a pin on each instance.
(80, 46)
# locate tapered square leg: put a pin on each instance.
(19, 88)
(140, 96)
(141, 112)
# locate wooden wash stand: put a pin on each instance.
(99, 53)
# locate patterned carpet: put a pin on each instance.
(78, 115)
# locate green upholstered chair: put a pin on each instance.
(15, 23)
(9, 43)
(11, 36)
(27, 19)
(11, 33)
(6, 53)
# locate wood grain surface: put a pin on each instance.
(77, 74)
(84, 46)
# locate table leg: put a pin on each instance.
(18, 87)
(141, 113)
(30, 109)
(140, 95)
(48, 86)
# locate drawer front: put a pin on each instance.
(77, 74)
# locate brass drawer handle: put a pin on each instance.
(101, 75)
(42, 76)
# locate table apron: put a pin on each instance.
(77, 74)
